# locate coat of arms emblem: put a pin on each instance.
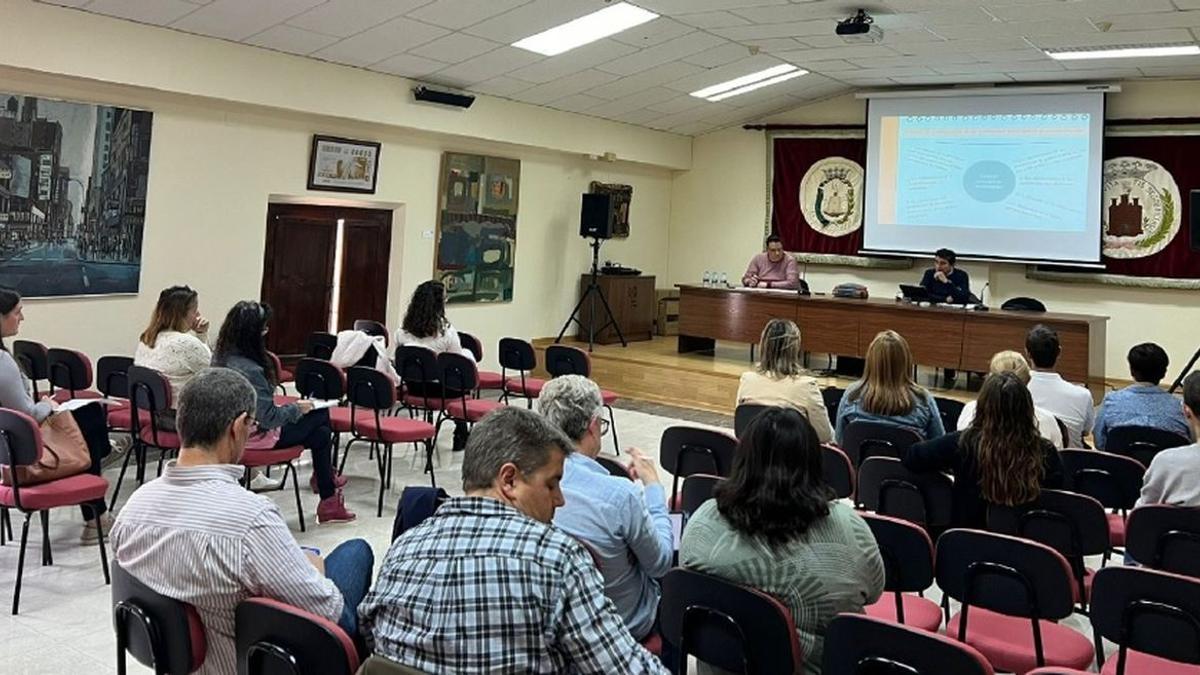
(1141, 210)
(831, 196)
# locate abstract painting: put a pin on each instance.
(73, 180)
(477, 227)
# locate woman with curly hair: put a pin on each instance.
(425, 321)
(1001, 458)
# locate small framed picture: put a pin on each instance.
(343, 165)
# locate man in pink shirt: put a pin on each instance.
(773, 268)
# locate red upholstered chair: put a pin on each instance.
(71, 372)
(320, 345)
(21, 445)
(274, 637)
(564, 360)
(321, 380)
(1072, 524)
(1141, 443)
(888, 488)
(160, 632)
(614, 467)
(417, 367)
(838, 471)
(907, 555)
(489, 380)
(373, 392)
(731, 627)
(34, 360)
(112, 381)
(266, 457)
(863, 440)
(150, 392)
(866, 645)
(684, 451)
(1113, 480)
(517, 355)
(458, 375)
(1012, 592)
(284, 376)
(1166, 538)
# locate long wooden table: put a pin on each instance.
(943, 337)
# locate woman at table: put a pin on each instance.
(887, 393)
(780, 380)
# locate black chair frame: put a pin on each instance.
(516, 354)
(359, 390)
(140, 393)
(976, 573)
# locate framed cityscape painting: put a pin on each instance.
(73, 179)
(477, 227)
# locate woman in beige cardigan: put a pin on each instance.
(780, 379)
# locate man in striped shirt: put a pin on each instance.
(197, 536)
(487, 585)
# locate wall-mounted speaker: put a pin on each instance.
(450, 98)
(596, 216)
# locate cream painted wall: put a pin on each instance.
(719, 208)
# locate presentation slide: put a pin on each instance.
(1014, 177)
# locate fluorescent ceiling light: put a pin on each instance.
(744, 80)
(758, 83)
(585, 29)
(1123, 52)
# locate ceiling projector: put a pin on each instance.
(859, 29)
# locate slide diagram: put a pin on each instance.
(1010, 171)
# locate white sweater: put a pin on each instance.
(446, 342)
(178, 356)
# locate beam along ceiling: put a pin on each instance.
(643, 75)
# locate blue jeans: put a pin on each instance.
(349, 567)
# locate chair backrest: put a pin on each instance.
(517, 354)
(697, 489)
(863, 439)
(316, 378)
(744, 414)
(907, 553)
(565, 360)
(458, 373)
(368, 388)
(149, 389)
(471, 344)
(1113, 480)
(160, 632)
(731, 627)
(111, 376)
(372, 328)
(1141, 443)
(33, 357)
(20, 438)
(833, 401)
(1074, 525)
(863, 645)
(69, 369)
(1004, 574)
(416, 364)
(1064, 431)
(950, 410)
(1165, 537)
(684, 451)
(888, 488)
(1023, 303)
(614, 467)
(274, 638)
(838, 471)
(1149, 611)
(320, 345)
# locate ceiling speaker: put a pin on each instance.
(452, 99)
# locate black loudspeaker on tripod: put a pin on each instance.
(595, 222)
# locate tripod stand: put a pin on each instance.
(593, 291)
(1183, 373)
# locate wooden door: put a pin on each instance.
(298, 274)
(366, 248)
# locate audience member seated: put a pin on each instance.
(425, 324)
(1173, 474)
(1012, 362)
(780, 380)
(175, 343)
(774, 526)
(487, 585)
(197, 536)
(1068, 402)
(887, 393)
(1143, 403)
(627, 527)
(15, 394)
(241, 346)
(1000, 459)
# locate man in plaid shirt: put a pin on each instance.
(487, 585)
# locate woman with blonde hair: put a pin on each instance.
(175, 343)
(780, 380)
(1000, 459)
(1013, 362)
(887, 393)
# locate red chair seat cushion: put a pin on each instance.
(122, 417)
(473, 411)
(1140, 663)
(490, 379)
(395, 430)
(919, 612)
(286, 375)
(531, 389)
(339, 418)
(609, 397)
(1007, 641)
(165, 439)
(653, 644)
(1116, 529)
(420, 402)
(69, 491)
(64, 395)
(254, 458)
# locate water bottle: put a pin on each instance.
(707, 278)
(724, 280)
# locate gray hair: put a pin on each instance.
(505, 435)
(570, 402)
(209, 403)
